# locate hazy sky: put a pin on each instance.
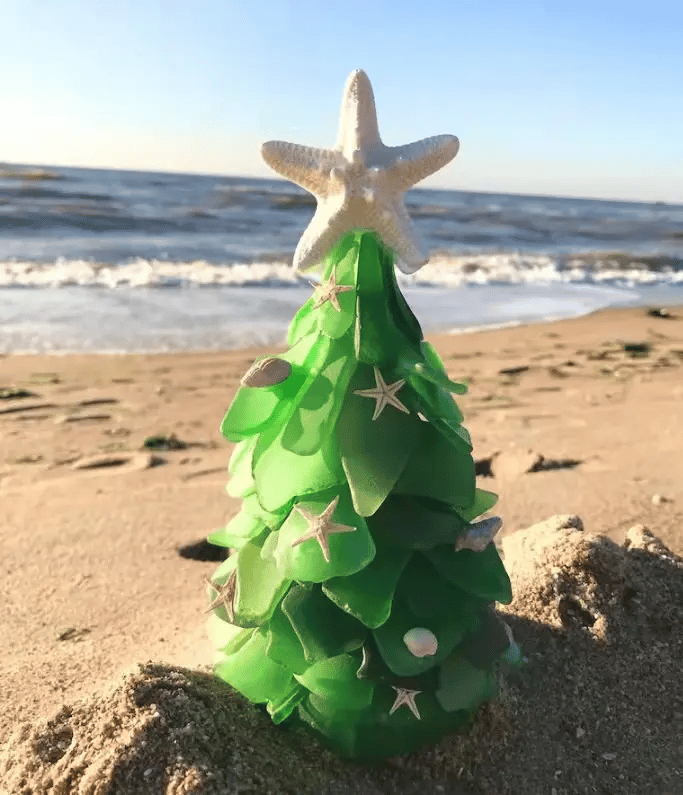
(580, 98)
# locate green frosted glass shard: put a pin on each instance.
(322, 628)
(416, 369)
(305, 322)
(486, 644)
(260, 586)
(374, 452)
(281, 708)
(428, 595)
(437, 366)
(415, 522)
(349, 551)
(240, 529)
(367, 595)
(281, 476)
(334, 680)
(403, 315)
(462, 686)
(337, 730)
(482, 503)
(478, 573)
(254, 674)
(241, 478)
(317, 413)
(438, 470)
(284, 646)
(271, 519)
(433, 400)
(249, 412)
(449, 631)
(225, 637)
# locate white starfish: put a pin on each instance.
(359, 184)
(384, 394)
(226, 595)
(329, 290)
(479, 535)
(406, 697)
(321, 527)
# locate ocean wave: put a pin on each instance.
(443, 270)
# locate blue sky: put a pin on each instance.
(580, 98)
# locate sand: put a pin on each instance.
(109, 465)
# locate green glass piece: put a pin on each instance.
(305, 322)
(462, 686)
(478, 573)
(416, 523)
(335, 681)
(284, 646)
(367, 595)
(316, 415)
(403, 315)
(486, 644)
(241, 478)
(374, 452)
(322, 628)
(281, 708)
(239, 530)
(271, 519)
(348, 551)
(449, 631)
(336, 729)
(260, 586)
(225, 637)
(249, 412)
(427, 595)
(254, 674)
(281, 475)
(416, 369)
(438, 470)
(436, 365)
(482, 503)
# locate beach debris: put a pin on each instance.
(660, 499)
(267, 372)
(15, 393)
(135, 461)
(523, 368)
(637, 349)
(655, 311)
(360, 182)
(73, 634)
(98, 402)
(26, 407)
(64, 418)
(421, 642)
(171, 442)
(512, 463)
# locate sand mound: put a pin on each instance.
(598, 707)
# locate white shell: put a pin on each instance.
(267, 372)
(480, 534)
(421, 642)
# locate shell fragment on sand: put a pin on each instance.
(480, 534)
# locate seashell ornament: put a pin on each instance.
(267, 372)
(421, 642)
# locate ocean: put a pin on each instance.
(130, 261)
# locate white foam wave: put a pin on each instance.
(443, 270)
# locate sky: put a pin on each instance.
(581, 98)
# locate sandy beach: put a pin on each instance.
(110, 466)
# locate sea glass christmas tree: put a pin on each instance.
(360, 593)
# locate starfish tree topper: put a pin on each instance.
(359, 184)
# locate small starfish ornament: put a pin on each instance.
(384, 394)
(406, 697)
(226, 595)
(359, 184)
(329, 291)
(479, 535)
(321, 527)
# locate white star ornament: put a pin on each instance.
(359, 184)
